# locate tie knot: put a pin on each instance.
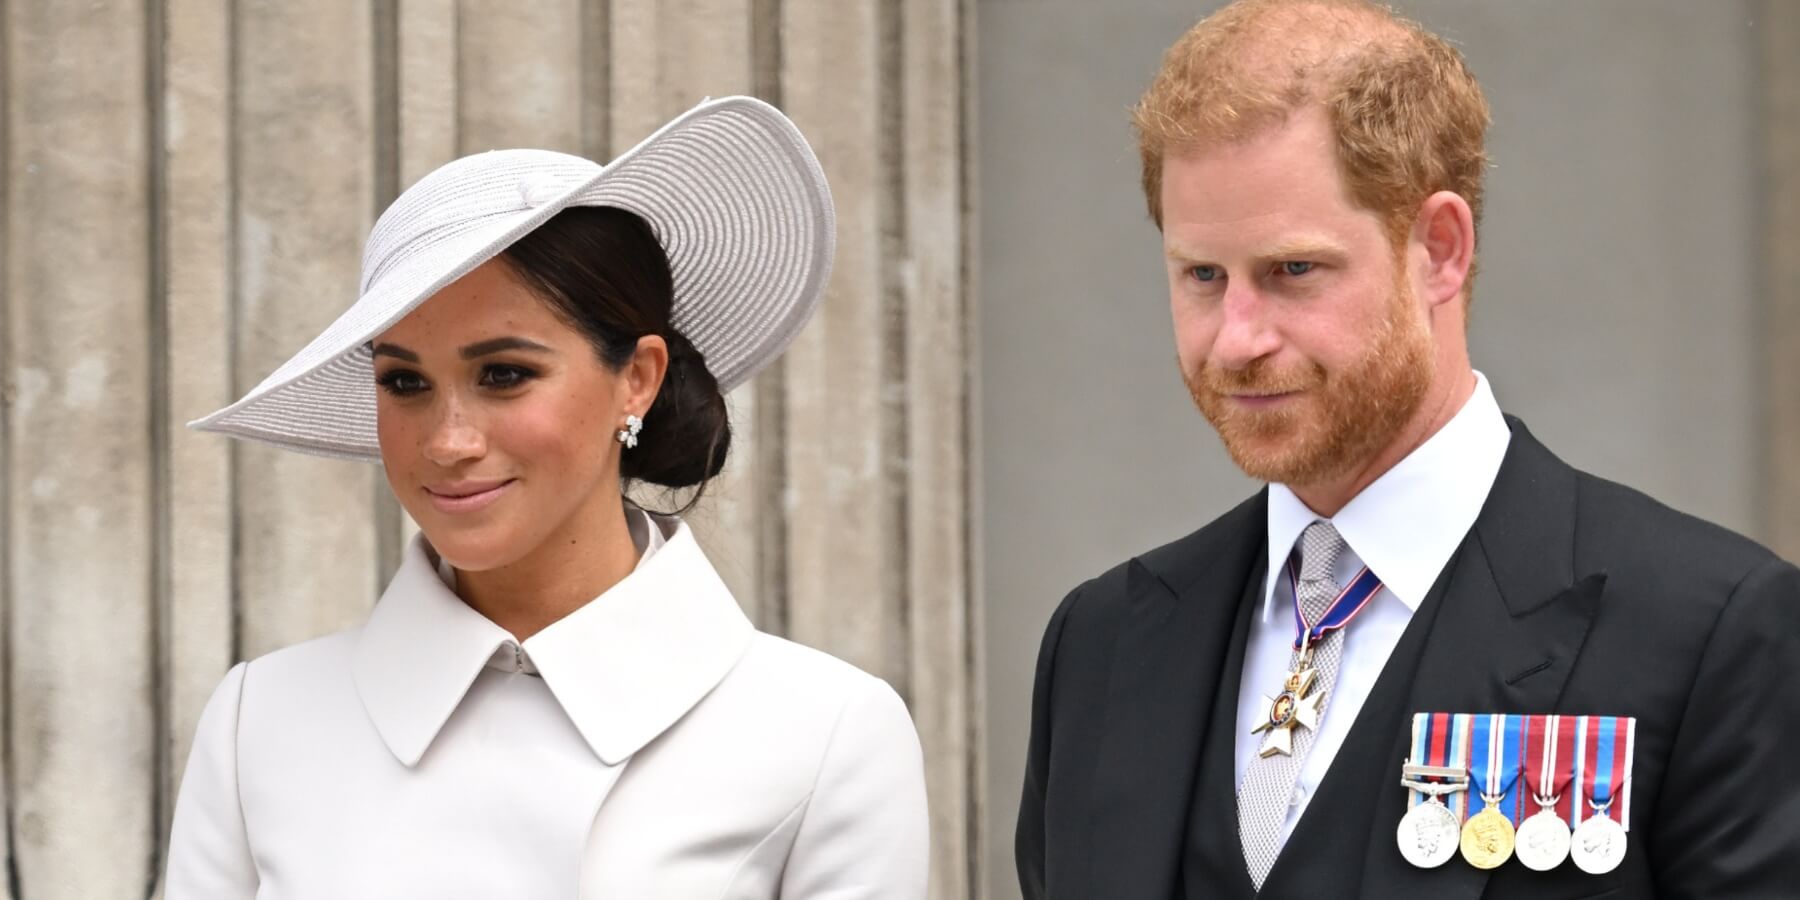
(1320, 546)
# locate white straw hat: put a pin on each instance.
(730, 187)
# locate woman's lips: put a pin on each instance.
(468, 496)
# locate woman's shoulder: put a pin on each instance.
(775, 659)
(309, 677)
(812, 691)
(308, 662)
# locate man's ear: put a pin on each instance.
(1445, 228)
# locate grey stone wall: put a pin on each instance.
(186, 186)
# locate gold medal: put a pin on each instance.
(1487, 838)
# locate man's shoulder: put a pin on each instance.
(1622, 530)
(1231, 539)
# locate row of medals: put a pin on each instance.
(1429, 836)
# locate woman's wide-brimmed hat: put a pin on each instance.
(730, 187)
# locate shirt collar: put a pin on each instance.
(624, 667)
(1406, 525)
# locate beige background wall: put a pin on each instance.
(186, 187)
(1639, 303)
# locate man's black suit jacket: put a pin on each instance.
(1570, 595)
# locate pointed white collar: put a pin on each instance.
(1408, 523)
(624, 667)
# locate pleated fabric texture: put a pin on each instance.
(730, 187)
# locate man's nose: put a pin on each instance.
(1246, 333)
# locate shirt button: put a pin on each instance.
(1298, 798)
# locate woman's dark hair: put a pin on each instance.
(602, 270)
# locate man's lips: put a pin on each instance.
(466, 496)
(1261, 400)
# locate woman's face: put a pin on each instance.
(497, 421)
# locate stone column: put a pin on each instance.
(1779, 26)
(83, 382)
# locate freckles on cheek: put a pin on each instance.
(547, 434)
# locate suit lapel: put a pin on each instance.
(1213, 863)
(1166, 668)
(1504, 640)
(1499, 632)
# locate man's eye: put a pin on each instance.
(505, 376)
(1296, 268)
(401, 383)
(1205, 273)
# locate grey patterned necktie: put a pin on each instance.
(1263, 798)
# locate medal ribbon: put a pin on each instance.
(1351, 601)
(1607, 750)
(1494, 759)
(1460, 746)
(1440, 739)
(1568, 805)
(1542, 778)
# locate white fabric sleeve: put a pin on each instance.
(209, 848)
(865, 835)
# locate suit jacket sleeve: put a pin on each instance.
(1029, 840)
(209, 849)
(1731, 800)
(864, 833)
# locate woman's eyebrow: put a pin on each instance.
(395, 351)
(495, 345)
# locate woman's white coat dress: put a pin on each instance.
(650, 745)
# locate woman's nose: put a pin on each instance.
(454, 439)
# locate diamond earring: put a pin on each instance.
(629, 434)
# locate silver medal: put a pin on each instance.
(1598, 845)
(1429, 834)
(1543, 841)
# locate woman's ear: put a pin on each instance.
(642, 376)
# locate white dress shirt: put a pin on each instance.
(651, 744)
(1404, 527)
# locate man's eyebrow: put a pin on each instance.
(396, 351)
(496, 345)
(1295, 248)
(1304, 247)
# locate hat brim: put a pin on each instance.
(732, 190)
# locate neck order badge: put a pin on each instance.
(1295, 706)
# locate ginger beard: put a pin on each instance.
(1342, 418)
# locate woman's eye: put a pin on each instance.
(1296, 268)
(1205, 273)
(401, 383)
(505, 376)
